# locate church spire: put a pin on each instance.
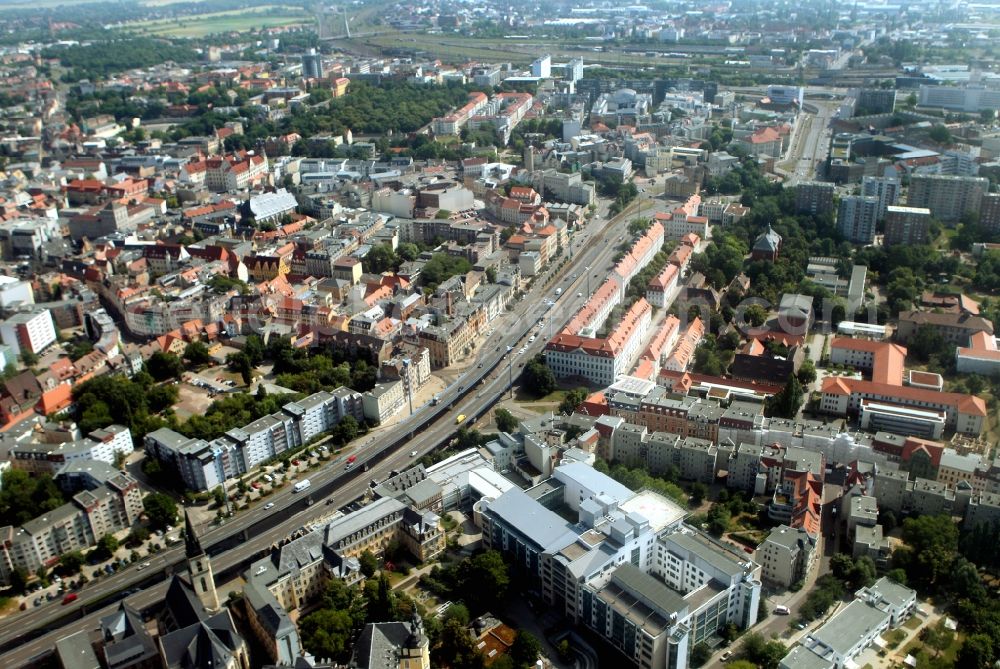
(192, 546)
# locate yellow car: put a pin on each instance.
(460, 419)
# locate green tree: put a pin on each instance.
(741, 664)
(930, 550)
(807, 373)
(136, 536)
(161, 510)
(755, 315)
(327, 633)
(698, 493)
(219, 496)
(70, 563)
(940, 134)
(23, 497)
(572, 400)
(938, 638)
(718, 520)
(525, 649)
(345, 431)
(380, 259)
(763, 653)
(197, 353)
(484, 580)
(162, 366)
(976, 653)
(380, 601)
(106, 547)
(458, 611)
(239, 363)
(369, 563)
(925, 342)
(700, 654)
(19, 580)
(505, 420)
(537, 378)
(456, 648)
(408, 251)
(786, 403)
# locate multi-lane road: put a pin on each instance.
(810, 142)
(29, 635)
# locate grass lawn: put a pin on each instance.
(216, 22)
(948, 655)
(894, 638)
(913, 622)
(556, 396)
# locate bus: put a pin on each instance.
(301, 485)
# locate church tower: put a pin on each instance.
(415, 653)
(199, 567)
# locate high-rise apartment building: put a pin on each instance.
(948, 197)
(906, 225)
(856, 218)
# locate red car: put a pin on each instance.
(295, 462)
(70, 598)
(256, 485)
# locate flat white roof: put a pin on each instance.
(922, 414)
(660, 511)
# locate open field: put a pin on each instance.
(217, 22)
(41, 4)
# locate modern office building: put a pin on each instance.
(628, 569)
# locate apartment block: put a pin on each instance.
(204, 465)
(108, 505)
(787, 556)
(906, 225)
(989, 212)
(856, 218)
(32, 331)
(948, 197)
(886, 189)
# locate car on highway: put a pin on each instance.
(269, 505)
(413, 454)
(142, 566)
(70, 598)
(459, 419)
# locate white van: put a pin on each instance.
(301, 485)
(781, 610)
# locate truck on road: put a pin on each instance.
(301, 485)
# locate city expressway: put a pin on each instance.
(27, 637)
